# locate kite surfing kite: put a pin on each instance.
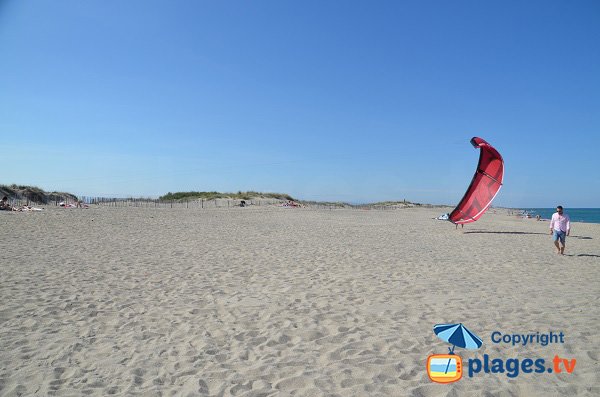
(484, 187)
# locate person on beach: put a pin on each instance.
(5, 205)
(560, 228)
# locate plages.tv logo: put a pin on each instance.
(448, 368)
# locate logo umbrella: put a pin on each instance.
(457, 335)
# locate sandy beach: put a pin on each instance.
(278, 302)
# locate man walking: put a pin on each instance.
(560, 227)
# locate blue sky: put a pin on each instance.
(326, 100)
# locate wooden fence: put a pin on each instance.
(195, 203)
(192, 203)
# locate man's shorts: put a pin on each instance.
(559, 235)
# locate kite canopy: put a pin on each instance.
(483, 188)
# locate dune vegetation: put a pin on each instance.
(34, 194)
(218, 195)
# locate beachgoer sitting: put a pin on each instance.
(5, 205)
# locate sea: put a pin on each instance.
(589, 215)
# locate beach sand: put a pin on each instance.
(275, 302)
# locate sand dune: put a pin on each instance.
(272, 301)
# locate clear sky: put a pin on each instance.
(328, 100)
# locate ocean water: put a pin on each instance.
(589, 215)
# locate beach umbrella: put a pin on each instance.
(457, 335)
